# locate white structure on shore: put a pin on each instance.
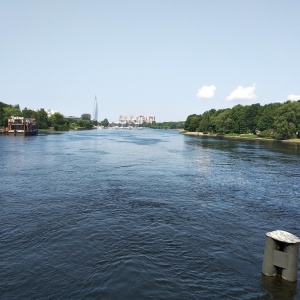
(50, 112)
(136, 119)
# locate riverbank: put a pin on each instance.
(244, 137)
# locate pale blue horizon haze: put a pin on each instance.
(168, 58)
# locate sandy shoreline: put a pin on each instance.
(293, 141)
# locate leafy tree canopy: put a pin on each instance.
(104, 123)
(86, 117)
(58, 122)
(275, 120)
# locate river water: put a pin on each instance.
(143, 214)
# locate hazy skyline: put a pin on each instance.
(168, 58)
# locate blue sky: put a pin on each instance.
(168, 58)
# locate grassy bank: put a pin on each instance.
(239, 136)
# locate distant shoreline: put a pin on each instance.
(200, 134)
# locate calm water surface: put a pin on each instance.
(143, 214)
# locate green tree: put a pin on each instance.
(204, 122)
(42, 119)
(283, 129)
(59, 122)
(223, 122)
(238, 117)
(73, 125)
(11, 110)
(286, 120)
(104, 123)
(192, 123)
(88, 124)
(266, 119)
(28, 113)
(86, 117)
(252, 114)
(163, 125)
(2, 113)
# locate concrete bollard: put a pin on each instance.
(281, 255)
(268, 268)
(290, 272)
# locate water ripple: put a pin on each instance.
(142, 215)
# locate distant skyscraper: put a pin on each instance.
(95, 114)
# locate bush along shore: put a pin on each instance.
(274, 121)
(235, 136)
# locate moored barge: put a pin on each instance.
(21, 125)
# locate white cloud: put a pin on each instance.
(242, 93)
(293, 97)
(207, 91)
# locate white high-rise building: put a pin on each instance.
(95, 113)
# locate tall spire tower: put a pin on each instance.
(95, 113)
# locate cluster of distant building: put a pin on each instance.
(131, 120)
(136, 119)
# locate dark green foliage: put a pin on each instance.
(58, 122)
(266, 119)
(222, 122)
(104, 123)
(86, 117)
(286, 121)
(204, 122)
(42, 119)
(163, 125)
(276, 120)
(28, 113)
(252, 114)
(2, 105)
(6, 111)
(3, 120)
(238, 115)
(192, 123)
(88, 124)
(268, 134)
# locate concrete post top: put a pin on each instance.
(283, 236)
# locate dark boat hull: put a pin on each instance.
(32, 132)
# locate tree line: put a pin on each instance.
(56, 121)
(163, 125)
(275, 120)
